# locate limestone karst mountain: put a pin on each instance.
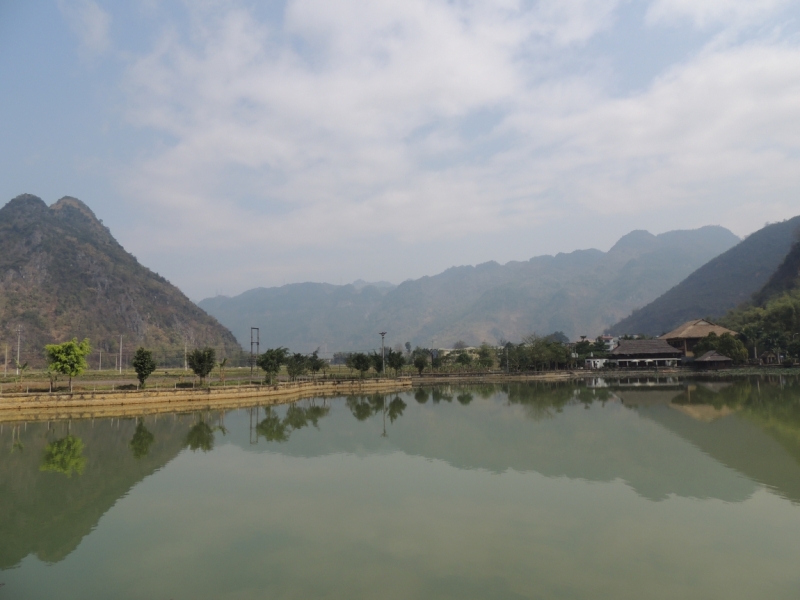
(580, 293)
(723, 283)
(63, 275)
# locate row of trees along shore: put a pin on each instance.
(534, 353)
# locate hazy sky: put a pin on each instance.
(234, 144)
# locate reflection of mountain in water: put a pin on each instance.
(48, 513)
(563, 439)
(757, 432)
(647, 437)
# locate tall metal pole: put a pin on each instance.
(5, 364)
(383, 355)
(255, 347)
(120, 355)
(19, 337)
(100, 368)
(185, 367)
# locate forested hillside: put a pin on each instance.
(580, 293)
(63, 275)
(720, 285)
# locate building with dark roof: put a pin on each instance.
(713, 360)
(643, 354)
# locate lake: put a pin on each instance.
(604, 489)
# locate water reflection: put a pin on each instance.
(276, 429)
(141, 441)
(702, 439)
(64, 456)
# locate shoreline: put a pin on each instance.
(132, 403)
(43, 406)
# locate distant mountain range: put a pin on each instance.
(732, 278)
(63, 275)
(580, 293)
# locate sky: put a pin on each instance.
(237, 144)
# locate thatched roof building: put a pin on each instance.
(686, 336)
(645, 353)
(713, 360)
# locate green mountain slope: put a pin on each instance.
(580, 293)
(718, 286)
(63, 275)
(785, 279)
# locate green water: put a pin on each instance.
(665, 490)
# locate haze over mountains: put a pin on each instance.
(723, 283)
(63, 275)
(579, 293)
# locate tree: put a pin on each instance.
(143, 364)
(271, 361)
(486, 356)
(420, 362)
(22, 368)
(315, 363)
(360, 362)
(296, 365)
(141, 441)
(395, 360)
(464, 359)
(64, 456)
(377, 361)
(69, 358)
(221, 366)
(202, 361)
(726, 344)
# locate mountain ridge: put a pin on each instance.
(725, 282)
(484, 302)
(64, 275)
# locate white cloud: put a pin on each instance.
(421, 119)
(704, 13)
(89, 22)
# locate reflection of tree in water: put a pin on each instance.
(363, 407)
(275, 429)
(421, 395)
(201, 436)
(141, 441)
(465, 398)
(539, 400)
(64, 456)
(439, 394)
(395, 409)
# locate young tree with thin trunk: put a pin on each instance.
(69, 358)
(143, 364)
(202, 361)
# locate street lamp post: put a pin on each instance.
(383, 354)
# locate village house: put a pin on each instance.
(644, 354)
(713, 360)
(685, 337)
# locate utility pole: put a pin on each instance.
(383, 355)
(185, 368)
(5, 364)
(120, 355)
(19, 337)
(255, 346)
(100, 368)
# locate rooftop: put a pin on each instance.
(699, 328)
(713, 356)
(640, 347)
